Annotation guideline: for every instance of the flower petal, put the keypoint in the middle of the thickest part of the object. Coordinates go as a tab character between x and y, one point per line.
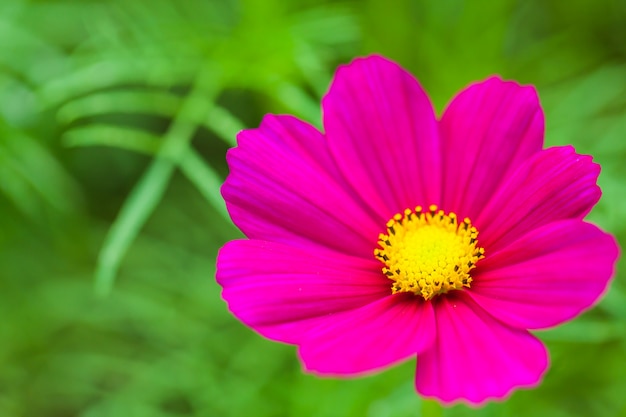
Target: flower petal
383	134
476	357
548	276
555	184
283	186
486	131
374	336
280	290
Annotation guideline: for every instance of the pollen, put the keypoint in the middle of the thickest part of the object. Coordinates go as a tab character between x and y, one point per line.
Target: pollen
429	252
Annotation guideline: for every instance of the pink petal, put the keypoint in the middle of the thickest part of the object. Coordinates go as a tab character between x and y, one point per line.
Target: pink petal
476	357
280	291
374	336
555	184
548	276
382	132
487	131
283	186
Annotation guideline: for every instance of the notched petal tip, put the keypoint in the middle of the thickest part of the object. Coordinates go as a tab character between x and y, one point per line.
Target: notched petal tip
477	358
496	81
493	120
554	184
548	276
481	401
382	132
367	59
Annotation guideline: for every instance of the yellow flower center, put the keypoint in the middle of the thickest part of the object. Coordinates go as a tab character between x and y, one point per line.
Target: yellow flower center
428	253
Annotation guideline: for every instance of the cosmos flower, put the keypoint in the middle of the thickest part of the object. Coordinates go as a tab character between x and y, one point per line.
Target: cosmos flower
394	234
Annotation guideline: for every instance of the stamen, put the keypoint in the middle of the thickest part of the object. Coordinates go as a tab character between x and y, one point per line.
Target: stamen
428	253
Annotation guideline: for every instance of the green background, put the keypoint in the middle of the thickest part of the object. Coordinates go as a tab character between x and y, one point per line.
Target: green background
114	120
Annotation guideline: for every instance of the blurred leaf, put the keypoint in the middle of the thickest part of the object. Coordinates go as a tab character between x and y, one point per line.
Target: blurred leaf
149	190
224	124
112	72
206	180
78	78
31	176
154	102
124	138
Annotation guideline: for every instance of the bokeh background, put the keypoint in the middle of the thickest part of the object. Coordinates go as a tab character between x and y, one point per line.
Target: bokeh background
114	120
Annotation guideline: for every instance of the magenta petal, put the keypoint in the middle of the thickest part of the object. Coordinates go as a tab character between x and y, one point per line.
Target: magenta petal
383	134
476	357
548	276
486	131
283	186
555	184
371	337
280	291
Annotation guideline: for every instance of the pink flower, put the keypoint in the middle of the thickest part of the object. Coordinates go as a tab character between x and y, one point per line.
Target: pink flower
341	262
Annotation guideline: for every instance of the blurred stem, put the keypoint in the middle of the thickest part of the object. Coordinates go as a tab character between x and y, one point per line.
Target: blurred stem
149	190
224	124
431	408
206	180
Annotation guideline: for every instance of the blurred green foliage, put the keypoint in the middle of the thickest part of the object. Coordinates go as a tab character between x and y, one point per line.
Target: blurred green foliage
114	120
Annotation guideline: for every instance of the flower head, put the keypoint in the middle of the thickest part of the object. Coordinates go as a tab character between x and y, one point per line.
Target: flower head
394	234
